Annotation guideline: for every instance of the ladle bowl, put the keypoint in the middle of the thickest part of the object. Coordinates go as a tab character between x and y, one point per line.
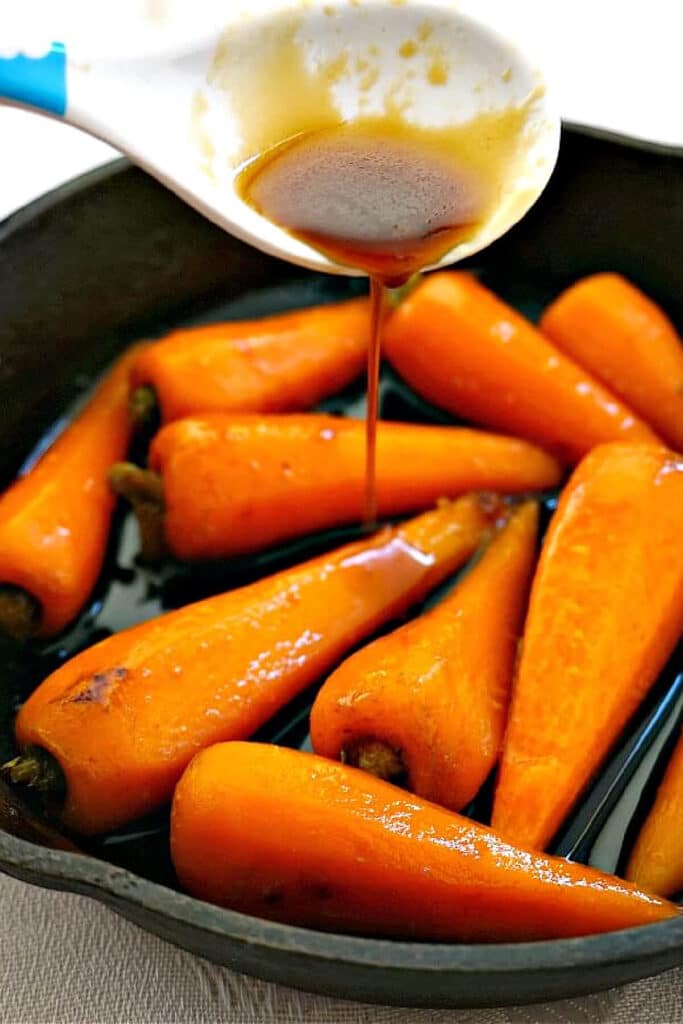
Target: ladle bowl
225	82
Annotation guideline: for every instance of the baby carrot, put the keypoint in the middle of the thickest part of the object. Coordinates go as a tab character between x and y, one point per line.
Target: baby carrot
656	862
293	837
121	720
606	610
54	521
429	701
607	325
239	484
464	349
280	363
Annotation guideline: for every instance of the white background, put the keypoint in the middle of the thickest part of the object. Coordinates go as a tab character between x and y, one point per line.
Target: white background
614	63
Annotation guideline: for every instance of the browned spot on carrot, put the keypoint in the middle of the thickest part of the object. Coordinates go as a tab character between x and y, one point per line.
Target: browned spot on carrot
98	687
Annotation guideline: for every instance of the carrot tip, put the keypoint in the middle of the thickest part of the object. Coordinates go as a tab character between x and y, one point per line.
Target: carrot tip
38	770
144	490
377	758
19	612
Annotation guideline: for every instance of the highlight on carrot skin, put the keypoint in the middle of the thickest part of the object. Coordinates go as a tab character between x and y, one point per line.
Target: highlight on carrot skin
360	856
656	861
428	703
464	349
280	363
605	613
622	337
54	520
113	728
226	485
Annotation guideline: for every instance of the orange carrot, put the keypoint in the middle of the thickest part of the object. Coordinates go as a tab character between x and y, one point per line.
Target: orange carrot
54	521
608	325
280	363
606	610
293	837
656	862
239	484
464	349
430	700
122	719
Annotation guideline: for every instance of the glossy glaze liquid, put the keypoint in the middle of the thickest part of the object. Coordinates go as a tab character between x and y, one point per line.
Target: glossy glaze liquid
378	197
377	310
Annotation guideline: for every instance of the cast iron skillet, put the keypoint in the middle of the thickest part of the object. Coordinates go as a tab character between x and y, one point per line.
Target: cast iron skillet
113	256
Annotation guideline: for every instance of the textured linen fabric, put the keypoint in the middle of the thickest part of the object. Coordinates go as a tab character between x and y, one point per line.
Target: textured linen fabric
65	959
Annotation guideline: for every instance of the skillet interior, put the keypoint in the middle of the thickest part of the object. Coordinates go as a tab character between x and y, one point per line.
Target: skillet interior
112	257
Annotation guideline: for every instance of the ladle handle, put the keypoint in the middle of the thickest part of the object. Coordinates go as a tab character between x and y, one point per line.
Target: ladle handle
37	82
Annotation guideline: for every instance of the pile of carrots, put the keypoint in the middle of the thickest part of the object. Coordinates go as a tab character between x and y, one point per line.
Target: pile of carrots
531	666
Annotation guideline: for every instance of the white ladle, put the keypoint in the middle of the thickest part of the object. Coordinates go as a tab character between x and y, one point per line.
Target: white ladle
238	77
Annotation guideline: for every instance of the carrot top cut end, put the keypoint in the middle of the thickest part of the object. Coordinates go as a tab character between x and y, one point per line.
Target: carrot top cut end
38	770
377	758
145	491
20	613
397	295
143	406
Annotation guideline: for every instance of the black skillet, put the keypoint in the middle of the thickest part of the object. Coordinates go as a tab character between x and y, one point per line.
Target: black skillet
112	257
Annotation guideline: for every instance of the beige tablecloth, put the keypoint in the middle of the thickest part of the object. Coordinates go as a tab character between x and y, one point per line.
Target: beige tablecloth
67	960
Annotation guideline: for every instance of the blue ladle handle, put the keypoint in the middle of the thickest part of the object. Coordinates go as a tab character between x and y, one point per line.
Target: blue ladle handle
38	82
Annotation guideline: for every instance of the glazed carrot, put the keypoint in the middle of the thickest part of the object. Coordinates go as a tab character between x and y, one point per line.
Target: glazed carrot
239	484
607	325
293	837
464	349
54	521
656	862
429	701
606	609
121	720
280	363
